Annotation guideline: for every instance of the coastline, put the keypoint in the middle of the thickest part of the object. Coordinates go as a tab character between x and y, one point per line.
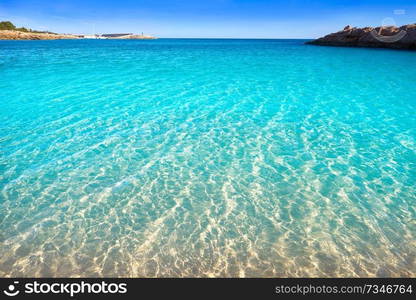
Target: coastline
134	37
403	38
18	35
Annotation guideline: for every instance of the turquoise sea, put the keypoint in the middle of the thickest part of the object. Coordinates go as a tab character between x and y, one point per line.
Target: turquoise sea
195	158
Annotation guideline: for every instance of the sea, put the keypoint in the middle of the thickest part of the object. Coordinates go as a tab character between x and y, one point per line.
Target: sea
206	158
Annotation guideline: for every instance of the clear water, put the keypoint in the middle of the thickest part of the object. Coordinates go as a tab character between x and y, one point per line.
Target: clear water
253	158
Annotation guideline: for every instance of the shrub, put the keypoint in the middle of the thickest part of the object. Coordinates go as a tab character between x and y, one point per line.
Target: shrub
7	25
23	29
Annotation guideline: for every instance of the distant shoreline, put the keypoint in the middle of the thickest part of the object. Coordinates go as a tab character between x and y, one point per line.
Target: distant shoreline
19	35
117	36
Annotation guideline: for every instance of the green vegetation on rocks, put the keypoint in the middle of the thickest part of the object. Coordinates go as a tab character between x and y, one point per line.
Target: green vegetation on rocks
7	25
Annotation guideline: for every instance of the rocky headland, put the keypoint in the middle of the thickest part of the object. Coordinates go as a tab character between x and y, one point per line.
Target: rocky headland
19	35
8	31
392	37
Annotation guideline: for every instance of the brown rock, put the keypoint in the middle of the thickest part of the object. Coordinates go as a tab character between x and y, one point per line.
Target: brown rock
18	35
381	37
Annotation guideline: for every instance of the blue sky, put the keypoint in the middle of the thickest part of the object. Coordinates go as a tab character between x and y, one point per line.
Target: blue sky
206	18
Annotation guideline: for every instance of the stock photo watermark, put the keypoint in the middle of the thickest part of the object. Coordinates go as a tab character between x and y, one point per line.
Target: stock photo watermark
70	289
388	22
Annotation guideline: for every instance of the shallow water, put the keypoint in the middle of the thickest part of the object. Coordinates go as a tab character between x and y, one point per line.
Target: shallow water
228	158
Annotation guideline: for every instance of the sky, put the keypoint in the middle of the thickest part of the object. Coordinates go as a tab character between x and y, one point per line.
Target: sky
207	18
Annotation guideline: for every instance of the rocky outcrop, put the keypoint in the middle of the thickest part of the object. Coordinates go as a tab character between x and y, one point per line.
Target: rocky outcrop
18	35
380	37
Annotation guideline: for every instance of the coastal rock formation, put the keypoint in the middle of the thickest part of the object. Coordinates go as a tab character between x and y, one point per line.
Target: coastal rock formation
19	35
380	37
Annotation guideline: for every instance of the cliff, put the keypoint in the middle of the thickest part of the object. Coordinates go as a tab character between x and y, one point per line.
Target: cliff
19	35
380	37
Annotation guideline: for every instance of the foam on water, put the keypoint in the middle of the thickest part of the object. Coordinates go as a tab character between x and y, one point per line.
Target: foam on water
206	158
